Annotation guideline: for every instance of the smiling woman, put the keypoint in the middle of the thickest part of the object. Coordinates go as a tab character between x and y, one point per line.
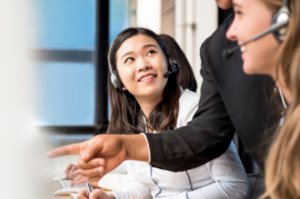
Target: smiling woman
140	59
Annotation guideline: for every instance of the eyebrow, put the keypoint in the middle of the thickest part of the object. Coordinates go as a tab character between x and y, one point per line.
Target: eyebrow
236	5
145	46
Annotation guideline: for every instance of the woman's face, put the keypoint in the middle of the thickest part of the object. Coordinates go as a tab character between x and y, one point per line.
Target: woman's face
251	18
141	65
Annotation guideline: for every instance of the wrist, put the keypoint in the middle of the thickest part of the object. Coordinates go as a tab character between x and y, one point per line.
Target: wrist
110	196
136	147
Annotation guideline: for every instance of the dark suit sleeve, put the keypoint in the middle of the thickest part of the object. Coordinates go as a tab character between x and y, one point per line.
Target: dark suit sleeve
203	139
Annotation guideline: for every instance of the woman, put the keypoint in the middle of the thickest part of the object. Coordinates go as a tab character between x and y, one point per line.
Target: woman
145	101
187	80
280	60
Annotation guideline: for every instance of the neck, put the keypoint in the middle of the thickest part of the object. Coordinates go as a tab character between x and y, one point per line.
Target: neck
147	103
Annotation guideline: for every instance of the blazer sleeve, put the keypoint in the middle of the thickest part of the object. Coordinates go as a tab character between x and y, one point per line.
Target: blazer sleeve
134	189
203	139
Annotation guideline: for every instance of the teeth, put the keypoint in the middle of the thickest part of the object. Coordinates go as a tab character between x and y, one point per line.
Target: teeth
147	77
243	49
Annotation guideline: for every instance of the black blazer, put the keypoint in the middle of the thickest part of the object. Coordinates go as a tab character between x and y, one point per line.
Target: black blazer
230	101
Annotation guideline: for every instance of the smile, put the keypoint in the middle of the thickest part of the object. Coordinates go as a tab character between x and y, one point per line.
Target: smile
146	78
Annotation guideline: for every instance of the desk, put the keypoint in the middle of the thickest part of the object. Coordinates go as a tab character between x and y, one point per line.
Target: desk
49	186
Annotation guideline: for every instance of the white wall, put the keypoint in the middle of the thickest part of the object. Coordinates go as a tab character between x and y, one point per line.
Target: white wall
195	21
148	14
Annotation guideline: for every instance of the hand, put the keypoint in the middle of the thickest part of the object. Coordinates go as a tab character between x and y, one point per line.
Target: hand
104	153
79	178
96	194
74	173
70	171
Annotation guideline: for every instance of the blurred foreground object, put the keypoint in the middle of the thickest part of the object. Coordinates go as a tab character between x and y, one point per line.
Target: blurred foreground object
19	143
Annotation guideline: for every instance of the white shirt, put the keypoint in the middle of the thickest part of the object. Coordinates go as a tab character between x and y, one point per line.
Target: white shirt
223	177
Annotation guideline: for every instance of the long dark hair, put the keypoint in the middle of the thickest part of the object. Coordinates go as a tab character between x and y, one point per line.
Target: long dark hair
186	78
125	110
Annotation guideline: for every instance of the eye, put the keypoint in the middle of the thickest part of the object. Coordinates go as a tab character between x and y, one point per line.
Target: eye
151	52
129	59
237	12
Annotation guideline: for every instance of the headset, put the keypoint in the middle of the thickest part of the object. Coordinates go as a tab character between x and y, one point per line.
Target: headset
173	63
280	21
116	81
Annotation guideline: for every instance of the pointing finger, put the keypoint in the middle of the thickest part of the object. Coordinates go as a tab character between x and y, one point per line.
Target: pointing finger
71	149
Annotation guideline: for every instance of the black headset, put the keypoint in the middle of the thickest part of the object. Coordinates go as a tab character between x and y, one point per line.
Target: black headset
116	81
280	20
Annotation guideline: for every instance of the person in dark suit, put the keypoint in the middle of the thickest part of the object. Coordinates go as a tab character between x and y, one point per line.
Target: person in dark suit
230	101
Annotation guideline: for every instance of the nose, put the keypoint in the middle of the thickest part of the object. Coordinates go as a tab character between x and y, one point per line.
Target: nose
231	33
143	65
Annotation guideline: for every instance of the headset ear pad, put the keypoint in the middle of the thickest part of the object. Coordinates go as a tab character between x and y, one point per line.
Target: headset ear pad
283	14
115	79
174	64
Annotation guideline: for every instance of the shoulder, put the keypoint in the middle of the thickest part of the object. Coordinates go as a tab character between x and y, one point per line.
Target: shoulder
188	105
188	98
217	41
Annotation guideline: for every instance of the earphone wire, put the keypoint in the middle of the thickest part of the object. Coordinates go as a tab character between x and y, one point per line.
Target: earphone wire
282	98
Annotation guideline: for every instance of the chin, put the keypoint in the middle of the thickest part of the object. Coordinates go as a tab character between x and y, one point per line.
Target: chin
248	69
224	4
151	91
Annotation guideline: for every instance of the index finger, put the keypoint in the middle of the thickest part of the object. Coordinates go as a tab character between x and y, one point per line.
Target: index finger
71	149
83	194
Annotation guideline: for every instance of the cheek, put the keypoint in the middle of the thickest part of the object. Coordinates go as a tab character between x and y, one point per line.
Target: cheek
261	56
164	65
160	65
126	77
244	29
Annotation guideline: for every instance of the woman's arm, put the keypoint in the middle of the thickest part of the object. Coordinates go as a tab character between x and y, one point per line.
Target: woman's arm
134	188
230	179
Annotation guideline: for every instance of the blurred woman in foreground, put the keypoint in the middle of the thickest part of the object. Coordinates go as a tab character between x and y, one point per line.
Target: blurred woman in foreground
279	57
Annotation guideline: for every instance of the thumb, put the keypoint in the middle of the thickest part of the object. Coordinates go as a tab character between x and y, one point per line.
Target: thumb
97	193
91	151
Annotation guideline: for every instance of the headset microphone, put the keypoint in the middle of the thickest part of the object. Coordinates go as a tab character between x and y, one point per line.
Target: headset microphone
167	74
176	66
274	28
